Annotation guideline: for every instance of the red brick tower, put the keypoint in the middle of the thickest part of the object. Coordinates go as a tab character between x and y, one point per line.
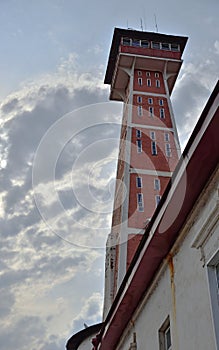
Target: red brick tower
142	70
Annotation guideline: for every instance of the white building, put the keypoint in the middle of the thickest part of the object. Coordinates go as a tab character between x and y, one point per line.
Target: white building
169	298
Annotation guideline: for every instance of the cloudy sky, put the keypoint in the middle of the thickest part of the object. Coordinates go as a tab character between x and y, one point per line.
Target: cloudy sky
59	142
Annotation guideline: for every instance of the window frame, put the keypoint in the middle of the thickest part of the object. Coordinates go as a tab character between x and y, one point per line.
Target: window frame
139	182
162	113
140	111
150	101
153	135
148	82
161	102
157	75
151	111
138	133
139	146
153	148
166	137
162	335
168	150
157	83
157	184
139	99
140	82
140	202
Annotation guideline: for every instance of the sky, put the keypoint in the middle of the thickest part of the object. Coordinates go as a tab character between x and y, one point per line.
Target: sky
59	145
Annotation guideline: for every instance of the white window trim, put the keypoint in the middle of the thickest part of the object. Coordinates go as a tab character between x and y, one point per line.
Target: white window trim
157	83
162	332
151	111
140	204
139	177
168	150
138	131
166	137
140	81
139	99
161	102
150	99
162	113
153	135
157	199
157	188
140	111
139	148
149	82
148	74
139	72
152	152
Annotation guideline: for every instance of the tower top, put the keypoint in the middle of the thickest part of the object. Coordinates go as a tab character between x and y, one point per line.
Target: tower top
144	44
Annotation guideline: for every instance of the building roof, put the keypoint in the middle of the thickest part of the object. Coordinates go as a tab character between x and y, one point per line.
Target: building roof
196	165
135	34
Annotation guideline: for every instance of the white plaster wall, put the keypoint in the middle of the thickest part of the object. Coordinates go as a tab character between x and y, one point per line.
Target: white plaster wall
187	300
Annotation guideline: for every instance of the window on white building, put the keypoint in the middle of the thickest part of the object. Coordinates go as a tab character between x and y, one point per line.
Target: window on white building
165	342
157	184
140	81
150	101
140	202
153	148
139	182
139	146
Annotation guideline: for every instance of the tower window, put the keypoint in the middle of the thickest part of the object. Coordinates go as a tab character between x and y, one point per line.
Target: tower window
136	42
157	83
165	46
162	113
156	75
148	74
140	111
166	137
140	202
148	82
155	45
157	199
153	148
161	103
138	133
139	72
175	47
140	81
126	41
157	184
139	99
153	135
139	146
150	101
151	111
138	182
168	150
145	43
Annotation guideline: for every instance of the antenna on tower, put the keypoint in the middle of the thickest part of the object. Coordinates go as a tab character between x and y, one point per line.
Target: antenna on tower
141	24
155	19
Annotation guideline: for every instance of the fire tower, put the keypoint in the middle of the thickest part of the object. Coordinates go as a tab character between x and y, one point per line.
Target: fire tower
142	70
